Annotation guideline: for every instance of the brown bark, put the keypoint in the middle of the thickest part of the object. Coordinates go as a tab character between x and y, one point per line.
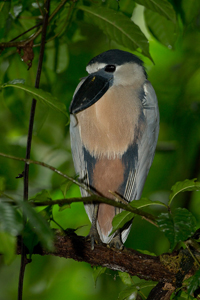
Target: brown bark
158	268
162	291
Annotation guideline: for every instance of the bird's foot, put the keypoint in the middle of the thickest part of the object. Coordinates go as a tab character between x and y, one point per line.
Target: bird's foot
93	237
116	243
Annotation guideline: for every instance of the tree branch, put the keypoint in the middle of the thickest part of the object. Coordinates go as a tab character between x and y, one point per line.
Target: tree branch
161	268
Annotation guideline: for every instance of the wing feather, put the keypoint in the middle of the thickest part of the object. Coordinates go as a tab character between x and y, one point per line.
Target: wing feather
146	148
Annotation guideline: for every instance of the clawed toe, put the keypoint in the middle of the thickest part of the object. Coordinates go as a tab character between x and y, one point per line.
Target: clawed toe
116	243
93	237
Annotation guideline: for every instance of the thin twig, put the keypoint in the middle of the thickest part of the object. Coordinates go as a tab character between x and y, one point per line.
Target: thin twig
40	8
65	25
21	44
85	199
30	161
150	221
33	27
193	256
29	141
56	10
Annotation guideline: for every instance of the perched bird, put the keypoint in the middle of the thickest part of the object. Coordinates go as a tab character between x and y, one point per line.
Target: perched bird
114	125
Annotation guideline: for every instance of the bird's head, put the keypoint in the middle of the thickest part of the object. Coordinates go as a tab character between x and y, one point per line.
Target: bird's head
106	70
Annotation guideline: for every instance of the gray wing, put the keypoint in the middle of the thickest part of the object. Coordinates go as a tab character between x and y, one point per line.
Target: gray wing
80	163
78	149
146	146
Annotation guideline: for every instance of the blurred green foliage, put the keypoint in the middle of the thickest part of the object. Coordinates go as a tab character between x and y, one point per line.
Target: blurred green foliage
73	38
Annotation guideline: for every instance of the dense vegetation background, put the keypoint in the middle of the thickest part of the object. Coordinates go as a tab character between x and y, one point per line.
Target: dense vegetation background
79	31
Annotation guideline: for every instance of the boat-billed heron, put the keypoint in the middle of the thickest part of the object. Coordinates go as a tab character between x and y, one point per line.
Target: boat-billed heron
114	125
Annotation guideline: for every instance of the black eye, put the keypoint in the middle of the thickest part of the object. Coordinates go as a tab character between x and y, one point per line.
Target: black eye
110	68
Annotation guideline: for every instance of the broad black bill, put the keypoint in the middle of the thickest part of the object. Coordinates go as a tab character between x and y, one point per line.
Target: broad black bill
93	88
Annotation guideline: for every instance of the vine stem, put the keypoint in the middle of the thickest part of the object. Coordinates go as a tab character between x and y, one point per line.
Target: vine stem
24	260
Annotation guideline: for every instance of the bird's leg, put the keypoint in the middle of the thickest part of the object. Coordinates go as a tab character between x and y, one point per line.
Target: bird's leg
93	235
116	242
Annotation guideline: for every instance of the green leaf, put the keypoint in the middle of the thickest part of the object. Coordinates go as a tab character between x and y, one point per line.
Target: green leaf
38	225
120	220
38	94
15	81
30	238
10	220
183	186
183	295
65	186
58	54
144	202
125	216
126	6
127	292
145	284
194	283
46	213
2	185
57	26
118	27
178	226
125	278
7	246
146	252
97	271
132	290
4	11
161	28
162	7
166	225
63	207
44	195
190	10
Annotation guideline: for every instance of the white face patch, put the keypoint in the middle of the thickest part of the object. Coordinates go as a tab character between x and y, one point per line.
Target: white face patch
126	74
95	67
129	74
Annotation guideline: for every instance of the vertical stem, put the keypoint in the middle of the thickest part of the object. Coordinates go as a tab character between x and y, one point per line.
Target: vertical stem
24	260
